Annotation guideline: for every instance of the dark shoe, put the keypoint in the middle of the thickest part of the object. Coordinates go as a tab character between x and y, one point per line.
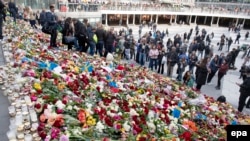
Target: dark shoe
217	88
248	106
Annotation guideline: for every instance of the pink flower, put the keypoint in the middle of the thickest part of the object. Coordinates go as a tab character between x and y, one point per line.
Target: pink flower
33	98
64	138
55	133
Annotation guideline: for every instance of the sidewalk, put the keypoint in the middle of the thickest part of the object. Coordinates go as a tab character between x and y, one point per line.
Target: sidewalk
4	103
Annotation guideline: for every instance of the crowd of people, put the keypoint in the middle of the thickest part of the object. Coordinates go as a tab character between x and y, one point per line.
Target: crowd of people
194	57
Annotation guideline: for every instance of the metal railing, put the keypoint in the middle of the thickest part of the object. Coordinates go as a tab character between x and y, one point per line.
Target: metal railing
78	7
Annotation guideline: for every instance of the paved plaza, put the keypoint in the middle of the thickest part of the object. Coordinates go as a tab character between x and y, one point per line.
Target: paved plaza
229	88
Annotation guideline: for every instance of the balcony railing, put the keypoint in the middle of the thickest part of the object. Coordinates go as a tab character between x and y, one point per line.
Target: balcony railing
76	7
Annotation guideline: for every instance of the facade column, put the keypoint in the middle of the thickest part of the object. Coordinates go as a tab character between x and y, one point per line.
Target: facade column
175	19
156	20
242	25
205	20
106	19
195	19
237	21
140	20
171	18
151	18
190	19
133	19
212	21
127	19
218	21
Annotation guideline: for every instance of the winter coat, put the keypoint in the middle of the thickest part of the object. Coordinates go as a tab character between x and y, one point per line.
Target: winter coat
201	75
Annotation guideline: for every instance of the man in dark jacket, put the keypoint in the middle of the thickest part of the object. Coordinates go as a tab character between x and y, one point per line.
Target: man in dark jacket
51	18
100	33
244	91
110	38
1	18
13	9
172	59
42	17
81	34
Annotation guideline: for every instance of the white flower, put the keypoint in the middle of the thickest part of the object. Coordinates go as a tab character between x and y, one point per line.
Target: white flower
126	126
99	127
69	107
133	112
151	115
60	105
152	102
151	126
76	108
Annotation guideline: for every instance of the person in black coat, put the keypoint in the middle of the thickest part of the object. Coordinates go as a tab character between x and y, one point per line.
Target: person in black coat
172	59
1	18
100	33
244	91
51	18
13	9
81	35
68	32
201	74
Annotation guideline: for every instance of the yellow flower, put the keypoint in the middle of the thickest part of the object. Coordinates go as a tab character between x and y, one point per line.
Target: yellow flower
37	86
166	131
60	86
91	121
76	69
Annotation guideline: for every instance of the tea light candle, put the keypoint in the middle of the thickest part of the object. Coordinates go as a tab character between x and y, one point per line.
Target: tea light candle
20	136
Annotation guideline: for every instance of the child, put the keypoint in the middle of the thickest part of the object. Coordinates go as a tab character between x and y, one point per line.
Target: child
188	79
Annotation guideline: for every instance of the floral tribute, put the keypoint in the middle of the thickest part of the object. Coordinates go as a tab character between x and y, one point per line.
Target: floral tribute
79	97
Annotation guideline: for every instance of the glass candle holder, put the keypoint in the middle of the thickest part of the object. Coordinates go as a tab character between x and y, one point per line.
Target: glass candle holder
19	118
26	117
28	137
12	111
11	135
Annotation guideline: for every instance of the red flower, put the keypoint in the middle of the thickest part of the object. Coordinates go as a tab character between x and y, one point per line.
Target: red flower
98	88
38	105
57	123
42	134
136	129
108	121
142	139
186	136
59	111
45	106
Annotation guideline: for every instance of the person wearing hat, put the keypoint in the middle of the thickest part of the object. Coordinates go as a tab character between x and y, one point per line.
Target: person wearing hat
244	91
